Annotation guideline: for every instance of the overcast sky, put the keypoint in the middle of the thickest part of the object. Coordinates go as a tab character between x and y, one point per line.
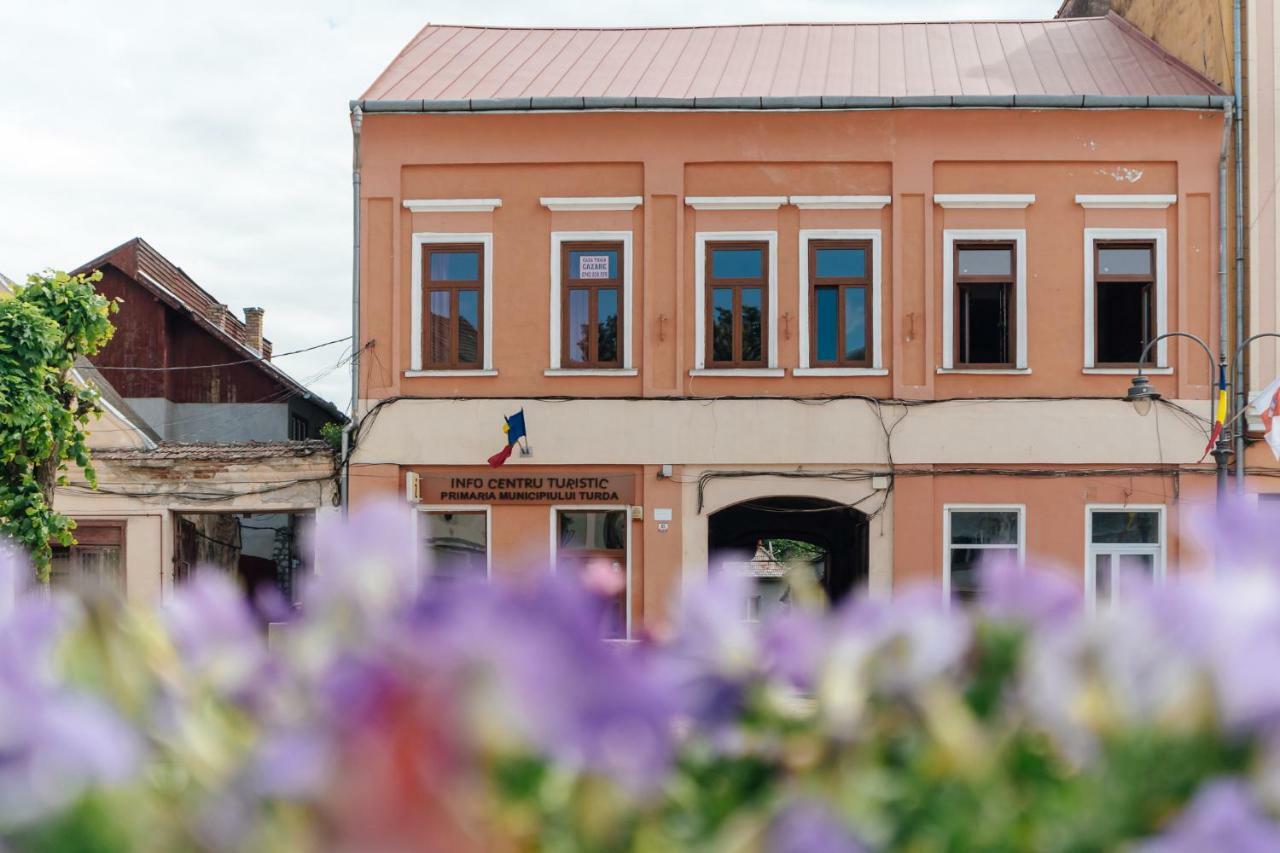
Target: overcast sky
219	131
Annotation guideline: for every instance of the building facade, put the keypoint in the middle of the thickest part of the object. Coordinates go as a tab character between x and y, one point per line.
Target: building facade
877	289
168	331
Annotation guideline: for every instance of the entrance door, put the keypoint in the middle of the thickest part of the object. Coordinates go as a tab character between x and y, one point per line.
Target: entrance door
768	537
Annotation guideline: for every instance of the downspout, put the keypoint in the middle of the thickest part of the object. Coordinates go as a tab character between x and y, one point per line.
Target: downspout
1241	385
357	117
1224	328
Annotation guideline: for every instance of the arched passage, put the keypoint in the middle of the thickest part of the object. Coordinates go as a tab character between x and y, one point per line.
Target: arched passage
736	532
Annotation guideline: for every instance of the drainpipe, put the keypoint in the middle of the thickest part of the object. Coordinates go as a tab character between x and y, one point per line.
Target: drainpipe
1241	386
357	117
1220	452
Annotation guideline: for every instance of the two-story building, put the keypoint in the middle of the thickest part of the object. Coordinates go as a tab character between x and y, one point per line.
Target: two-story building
877	289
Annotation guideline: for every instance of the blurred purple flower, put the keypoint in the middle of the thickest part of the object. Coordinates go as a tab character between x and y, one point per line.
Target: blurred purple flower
1223	817
793	644
547	673
367	563
292	764
809	827
1034	596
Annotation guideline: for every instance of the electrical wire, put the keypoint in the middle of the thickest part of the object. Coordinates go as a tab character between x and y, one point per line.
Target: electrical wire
259	359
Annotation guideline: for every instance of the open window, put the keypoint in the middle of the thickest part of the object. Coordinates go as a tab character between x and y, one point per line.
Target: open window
1124	301
985	297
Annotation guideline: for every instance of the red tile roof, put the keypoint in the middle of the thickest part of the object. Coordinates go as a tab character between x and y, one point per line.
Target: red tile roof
1080	56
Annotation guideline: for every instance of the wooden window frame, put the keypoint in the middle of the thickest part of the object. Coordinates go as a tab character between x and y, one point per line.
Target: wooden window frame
841	283
425	510
592	286
453	288
710	285
556	549
958	283
121	528
1148	282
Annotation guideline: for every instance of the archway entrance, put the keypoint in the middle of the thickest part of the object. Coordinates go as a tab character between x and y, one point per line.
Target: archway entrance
768	536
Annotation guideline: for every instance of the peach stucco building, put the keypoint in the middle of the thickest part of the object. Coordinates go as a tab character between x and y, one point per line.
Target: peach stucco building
877	288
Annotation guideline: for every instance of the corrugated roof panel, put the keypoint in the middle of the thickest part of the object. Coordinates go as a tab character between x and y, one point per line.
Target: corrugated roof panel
1077	56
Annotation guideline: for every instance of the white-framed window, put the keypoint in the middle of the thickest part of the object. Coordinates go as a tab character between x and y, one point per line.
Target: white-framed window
458	307
576	247
840	302
596	538
972	533
738	243
1122	542
984	300
455	540
1126	296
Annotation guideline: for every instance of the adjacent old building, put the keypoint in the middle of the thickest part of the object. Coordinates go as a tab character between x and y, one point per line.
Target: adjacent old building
189	367
876	289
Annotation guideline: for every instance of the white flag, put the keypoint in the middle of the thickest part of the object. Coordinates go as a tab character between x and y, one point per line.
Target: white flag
1266	405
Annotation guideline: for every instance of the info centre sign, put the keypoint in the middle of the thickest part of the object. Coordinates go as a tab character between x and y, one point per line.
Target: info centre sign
554	487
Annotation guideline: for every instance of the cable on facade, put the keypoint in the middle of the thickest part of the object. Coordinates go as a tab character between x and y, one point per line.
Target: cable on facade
274	356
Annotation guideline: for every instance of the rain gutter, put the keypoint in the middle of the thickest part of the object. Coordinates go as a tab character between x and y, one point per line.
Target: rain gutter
1241	388
824	102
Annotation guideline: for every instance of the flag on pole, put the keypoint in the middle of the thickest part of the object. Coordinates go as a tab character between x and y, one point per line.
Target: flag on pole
514	428
1266	405
1219	412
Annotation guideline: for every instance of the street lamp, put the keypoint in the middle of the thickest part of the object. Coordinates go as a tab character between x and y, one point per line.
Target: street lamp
1142	395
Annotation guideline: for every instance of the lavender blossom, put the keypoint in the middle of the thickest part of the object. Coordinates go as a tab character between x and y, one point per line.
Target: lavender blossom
1223	816
809	826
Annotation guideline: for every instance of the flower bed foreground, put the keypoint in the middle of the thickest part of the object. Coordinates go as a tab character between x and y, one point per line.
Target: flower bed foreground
491	718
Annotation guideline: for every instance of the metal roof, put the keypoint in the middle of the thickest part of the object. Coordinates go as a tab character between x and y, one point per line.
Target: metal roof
1101	61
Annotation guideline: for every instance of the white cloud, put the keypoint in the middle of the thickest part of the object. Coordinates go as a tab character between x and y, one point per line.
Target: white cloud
219	131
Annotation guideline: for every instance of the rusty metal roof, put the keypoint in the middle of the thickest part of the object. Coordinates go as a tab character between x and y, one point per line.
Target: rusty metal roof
1105	56
249	451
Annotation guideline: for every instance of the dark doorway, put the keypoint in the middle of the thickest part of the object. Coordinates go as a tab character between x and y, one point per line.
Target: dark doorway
748	532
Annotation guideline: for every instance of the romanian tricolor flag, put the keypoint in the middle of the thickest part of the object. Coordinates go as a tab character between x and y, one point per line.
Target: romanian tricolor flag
514	428
1219	412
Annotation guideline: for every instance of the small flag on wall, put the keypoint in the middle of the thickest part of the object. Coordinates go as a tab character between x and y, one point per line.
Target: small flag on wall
1267	406
514	428
1219	412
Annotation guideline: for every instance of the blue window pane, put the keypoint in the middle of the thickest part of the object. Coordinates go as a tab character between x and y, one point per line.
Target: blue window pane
826	323
579	325
455	266
855	324
752	325
441	325
591	264
737	263
607	324
722	324
841	263
468	326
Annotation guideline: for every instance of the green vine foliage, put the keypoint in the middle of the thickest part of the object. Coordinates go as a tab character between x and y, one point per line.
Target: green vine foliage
51	321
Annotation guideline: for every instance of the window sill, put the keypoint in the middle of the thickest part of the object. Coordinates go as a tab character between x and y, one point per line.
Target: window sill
981	371
417	373
839	371
1127	371
591	371
739	371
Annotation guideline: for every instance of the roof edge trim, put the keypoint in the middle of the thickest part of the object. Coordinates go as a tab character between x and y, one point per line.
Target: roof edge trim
824	102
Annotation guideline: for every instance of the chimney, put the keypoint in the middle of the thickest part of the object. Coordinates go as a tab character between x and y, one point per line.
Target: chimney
253	329
218	314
